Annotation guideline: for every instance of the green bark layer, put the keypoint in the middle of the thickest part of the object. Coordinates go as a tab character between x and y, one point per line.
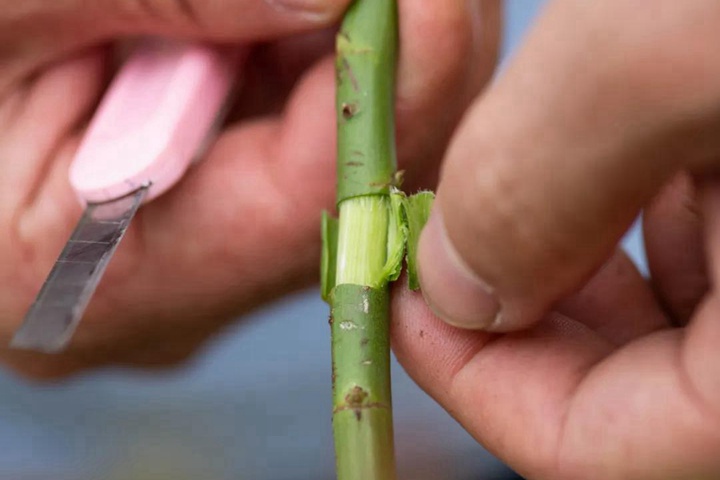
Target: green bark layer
365	65
362	416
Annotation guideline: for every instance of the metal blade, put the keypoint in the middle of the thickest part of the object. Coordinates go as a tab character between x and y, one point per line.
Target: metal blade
58	308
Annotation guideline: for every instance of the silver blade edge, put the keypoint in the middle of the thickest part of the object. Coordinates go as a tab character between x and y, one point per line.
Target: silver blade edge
59	306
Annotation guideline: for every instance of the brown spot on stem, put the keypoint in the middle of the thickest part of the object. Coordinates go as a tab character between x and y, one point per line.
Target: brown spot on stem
422	333
354	164
364	342
330	320
355	399
349	110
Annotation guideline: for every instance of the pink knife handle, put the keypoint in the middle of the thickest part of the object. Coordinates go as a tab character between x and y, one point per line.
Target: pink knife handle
153	120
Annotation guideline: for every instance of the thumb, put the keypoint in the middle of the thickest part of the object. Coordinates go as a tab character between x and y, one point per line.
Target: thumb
552	165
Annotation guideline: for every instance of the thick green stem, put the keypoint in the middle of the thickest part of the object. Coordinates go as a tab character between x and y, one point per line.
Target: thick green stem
362	414
365	75
367	235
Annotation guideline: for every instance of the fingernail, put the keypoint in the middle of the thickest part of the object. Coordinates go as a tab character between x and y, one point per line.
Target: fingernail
451	289
313	10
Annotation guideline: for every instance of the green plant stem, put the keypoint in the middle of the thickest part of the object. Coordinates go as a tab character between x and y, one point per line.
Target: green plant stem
362	414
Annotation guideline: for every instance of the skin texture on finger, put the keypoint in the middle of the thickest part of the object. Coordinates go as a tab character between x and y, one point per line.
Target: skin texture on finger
617	303
673	233
639	415
448	53
273	70
236	20
700	348
65	92
554	162
418	336
558	402
33	33
508	391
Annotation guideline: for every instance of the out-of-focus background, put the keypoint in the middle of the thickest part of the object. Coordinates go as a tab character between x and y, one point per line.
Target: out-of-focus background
254	405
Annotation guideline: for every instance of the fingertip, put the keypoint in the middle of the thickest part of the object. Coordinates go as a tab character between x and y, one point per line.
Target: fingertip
430	350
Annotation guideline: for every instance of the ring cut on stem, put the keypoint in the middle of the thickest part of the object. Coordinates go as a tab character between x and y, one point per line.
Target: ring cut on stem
389	227
362	241
362	415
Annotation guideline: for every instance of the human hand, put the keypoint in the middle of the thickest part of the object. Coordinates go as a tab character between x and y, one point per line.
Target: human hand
584	370
193	259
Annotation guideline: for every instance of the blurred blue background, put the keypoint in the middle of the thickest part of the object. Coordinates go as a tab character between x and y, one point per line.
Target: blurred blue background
254	405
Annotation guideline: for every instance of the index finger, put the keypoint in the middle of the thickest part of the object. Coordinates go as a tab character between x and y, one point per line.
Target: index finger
35	33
